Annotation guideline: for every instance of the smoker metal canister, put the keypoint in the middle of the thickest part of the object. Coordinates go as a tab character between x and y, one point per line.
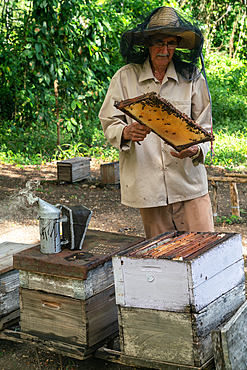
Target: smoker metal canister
49	227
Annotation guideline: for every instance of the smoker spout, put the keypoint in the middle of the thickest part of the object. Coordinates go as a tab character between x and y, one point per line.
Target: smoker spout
47	210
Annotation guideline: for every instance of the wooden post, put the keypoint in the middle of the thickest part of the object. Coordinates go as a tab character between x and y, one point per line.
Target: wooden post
234	199
215	199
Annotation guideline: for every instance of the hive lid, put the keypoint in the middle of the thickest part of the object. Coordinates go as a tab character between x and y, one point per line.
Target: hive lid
98	248
173	126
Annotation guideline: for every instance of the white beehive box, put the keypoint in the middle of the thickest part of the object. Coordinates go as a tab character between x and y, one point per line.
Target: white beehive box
178	284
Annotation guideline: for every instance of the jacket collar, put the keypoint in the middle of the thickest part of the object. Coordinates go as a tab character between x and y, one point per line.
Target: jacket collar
146	72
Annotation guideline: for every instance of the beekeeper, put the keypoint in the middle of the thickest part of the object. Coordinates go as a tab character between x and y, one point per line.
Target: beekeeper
170	188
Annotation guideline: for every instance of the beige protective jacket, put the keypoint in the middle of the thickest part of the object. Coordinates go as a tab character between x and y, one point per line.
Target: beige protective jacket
149	175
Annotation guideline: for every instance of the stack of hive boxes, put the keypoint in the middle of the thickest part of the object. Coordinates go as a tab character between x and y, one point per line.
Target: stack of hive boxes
67	299
172	290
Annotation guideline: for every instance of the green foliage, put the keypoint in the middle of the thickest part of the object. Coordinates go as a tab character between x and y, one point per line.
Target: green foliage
228	86
57	59
230	220
224	24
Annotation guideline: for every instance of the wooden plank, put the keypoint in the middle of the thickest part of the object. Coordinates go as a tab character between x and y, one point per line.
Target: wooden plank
217	350
102	317
161	365
7	250
12	335
9	319
230	342
9	292
234	199
236	174
53	317
211	263
81	173
57	346
212	288
118	280
98	280
227	179
217	312
117	357
74	160
215	199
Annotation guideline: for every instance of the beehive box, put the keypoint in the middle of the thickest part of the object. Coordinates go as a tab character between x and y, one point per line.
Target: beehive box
9	283
173	290
73	169
68	298
110	173
179	283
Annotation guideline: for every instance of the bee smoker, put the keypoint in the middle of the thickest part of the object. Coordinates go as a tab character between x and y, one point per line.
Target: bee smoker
74	220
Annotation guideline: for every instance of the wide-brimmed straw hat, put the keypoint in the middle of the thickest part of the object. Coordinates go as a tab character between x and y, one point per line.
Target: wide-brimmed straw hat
166	21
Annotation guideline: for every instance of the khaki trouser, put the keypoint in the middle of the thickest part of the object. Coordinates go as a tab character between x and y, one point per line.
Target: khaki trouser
190	215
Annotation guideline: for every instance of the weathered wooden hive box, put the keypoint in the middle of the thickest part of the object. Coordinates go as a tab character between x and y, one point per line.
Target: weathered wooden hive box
109	173
68	299
73	169
174	289
9	283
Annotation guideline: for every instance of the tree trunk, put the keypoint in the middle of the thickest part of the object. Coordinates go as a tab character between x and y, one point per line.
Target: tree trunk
57	113
231	42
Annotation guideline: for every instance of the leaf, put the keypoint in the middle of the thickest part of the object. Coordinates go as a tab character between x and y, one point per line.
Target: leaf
29	53
73	121
80	97
47	79
106	57
73	104
60	73
38	48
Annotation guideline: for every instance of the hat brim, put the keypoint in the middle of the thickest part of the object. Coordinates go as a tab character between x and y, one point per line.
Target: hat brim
189	39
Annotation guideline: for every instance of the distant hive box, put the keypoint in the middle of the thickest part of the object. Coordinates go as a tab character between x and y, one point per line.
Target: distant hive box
172	290
68	298
110	173
73	169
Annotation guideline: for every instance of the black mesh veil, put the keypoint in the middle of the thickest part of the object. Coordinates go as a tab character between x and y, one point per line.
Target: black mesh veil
135	42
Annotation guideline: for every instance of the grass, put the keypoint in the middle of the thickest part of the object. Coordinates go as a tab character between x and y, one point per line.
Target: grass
230	151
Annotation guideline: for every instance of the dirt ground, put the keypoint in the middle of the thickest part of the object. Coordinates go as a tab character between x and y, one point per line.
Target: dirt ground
18	223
